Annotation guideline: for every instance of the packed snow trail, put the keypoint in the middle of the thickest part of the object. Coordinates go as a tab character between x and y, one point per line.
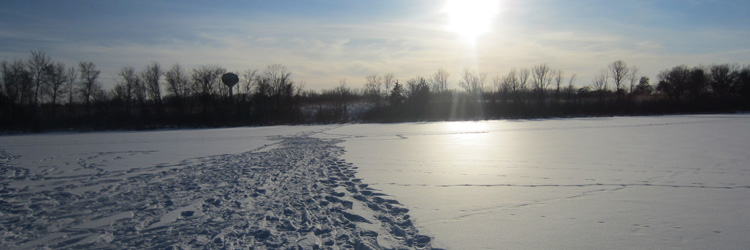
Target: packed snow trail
294	194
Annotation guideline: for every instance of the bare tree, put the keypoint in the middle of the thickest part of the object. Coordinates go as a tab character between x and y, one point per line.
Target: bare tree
100	95
720	79
440	80
206	83
57	78
280	79
38	66
501	90
139	91
129	83
89	83
633	77
373	88
262	86
120	94
70	85
206	79
177	81
515	83
558	78
388	81
618	70
601	80
18	82
600	83
570	90
249	79
282	90
300	88
542	79
473	83
510	81
342	97
151	76
523	79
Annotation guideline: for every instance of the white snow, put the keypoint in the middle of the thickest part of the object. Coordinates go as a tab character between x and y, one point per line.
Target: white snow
669	182
273	187
675	182
127	150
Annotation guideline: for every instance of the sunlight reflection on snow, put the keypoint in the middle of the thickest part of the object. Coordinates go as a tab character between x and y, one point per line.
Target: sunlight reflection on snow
565	183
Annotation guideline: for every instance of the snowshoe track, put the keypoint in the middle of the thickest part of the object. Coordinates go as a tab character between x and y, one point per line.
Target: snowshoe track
298	195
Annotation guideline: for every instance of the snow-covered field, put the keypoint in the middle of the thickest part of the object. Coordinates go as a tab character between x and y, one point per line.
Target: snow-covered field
674	182
274	187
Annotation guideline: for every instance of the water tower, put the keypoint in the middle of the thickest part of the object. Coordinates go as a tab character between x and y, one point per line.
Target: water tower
230	79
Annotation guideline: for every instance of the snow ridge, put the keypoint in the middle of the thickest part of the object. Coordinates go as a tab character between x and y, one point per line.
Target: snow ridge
295	195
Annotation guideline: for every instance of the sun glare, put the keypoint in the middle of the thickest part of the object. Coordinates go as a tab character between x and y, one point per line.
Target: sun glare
471	18
467	127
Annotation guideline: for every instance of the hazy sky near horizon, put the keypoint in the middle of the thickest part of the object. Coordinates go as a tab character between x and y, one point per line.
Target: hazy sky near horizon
322	42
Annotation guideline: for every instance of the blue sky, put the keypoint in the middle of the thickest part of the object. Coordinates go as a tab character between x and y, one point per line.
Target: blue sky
322	42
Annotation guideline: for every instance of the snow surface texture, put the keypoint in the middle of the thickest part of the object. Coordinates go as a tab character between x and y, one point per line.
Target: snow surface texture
674	182
294	192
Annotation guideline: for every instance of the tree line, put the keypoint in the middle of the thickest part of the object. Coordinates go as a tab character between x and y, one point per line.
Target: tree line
40	94
540	91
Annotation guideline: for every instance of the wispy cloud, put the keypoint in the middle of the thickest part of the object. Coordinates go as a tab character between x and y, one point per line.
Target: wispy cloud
328	41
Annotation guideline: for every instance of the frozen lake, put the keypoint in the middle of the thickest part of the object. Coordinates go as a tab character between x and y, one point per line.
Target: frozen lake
673	182
676	182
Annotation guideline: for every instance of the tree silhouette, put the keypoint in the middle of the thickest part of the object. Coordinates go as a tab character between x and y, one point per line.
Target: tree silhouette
128	85
32	90
440	80
151	76
541	79
719	79
373	89
18	82
205	84
600	83
473	83
697	83
619	71
643	88
419	97
343	93
512	85
388	82
177	81
633	78
570	90
70	86
57	77
397	95
672	82
38	64
742	83
558	78
89	84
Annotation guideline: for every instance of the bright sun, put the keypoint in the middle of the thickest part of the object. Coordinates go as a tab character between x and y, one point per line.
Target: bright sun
471	18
